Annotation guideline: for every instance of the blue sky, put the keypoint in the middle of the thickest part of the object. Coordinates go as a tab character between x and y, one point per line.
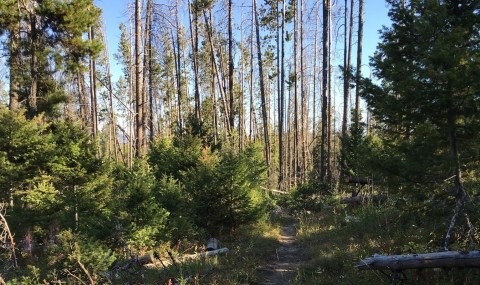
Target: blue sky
114	12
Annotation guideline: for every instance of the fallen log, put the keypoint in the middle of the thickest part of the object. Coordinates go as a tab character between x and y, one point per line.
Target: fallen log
447	259
149	259
212	244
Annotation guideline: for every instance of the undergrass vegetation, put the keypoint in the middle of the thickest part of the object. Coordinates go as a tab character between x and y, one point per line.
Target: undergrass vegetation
249	248
339	236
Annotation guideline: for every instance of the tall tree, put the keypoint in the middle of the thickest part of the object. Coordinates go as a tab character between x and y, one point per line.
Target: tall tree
359	64
193	13
281	107
209	28
38	32
303	95
139	97
93	88
347	55
428	105
325	79
178	66
148	70
294	77
262	90
230	65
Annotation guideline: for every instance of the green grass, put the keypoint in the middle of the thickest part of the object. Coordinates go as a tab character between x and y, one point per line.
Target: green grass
336	239
250	247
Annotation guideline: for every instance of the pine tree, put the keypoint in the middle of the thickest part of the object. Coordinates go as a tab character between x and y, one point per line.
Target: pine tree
427	102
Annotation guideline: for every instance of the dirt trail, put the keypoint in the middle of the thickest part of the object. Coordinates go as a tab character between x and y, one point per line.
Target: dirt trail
282	269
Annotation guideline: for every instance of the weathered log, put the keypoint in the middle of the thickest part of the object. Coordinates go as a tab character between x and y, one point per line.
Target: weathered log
446	259
150	259
359	180
212	244
210	253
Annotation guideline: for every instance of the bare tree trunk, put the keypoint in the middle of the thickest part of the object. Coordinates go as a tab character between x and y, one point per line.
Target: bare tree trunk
346	69
32	97
230	66
330	124
93	89
6	237
281	109
241	98
14	65
315	47
457	180
252	108
325	63
113	120
347	54
82	99
215	69
359	65
279	112
194	42
139	104
295	92
178	68
262	92
148	73
303	98
214	103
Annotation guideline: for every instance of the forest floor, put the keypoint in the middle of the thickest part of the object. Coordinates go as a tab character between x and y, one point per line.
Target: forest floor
282	267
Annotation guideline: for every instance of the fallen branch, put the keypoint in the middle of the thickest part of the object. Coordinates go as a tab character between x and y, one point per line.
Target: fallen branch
150	259
447	259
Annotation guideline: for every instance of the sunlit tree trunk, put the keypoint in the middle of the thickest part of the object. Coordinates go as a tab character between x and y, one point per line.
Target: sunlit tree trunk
303	97
230	66
315	47
14	65
32	97
148	73
262	92
194	42
93	90
330	123
216	71
359	65
252	108
281	107
139	104
325	75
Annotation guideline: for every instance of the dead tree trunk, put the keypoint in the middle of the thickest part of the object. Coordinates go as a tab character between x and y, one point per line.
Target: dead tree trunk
139	104
93	88
359	66
325	66
194	42
230	66
447	259
215	69
262	92
14	65
6	238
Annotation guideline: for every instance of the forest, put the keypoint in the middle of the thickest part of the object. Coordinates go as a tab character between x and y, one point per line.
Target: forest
242	143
